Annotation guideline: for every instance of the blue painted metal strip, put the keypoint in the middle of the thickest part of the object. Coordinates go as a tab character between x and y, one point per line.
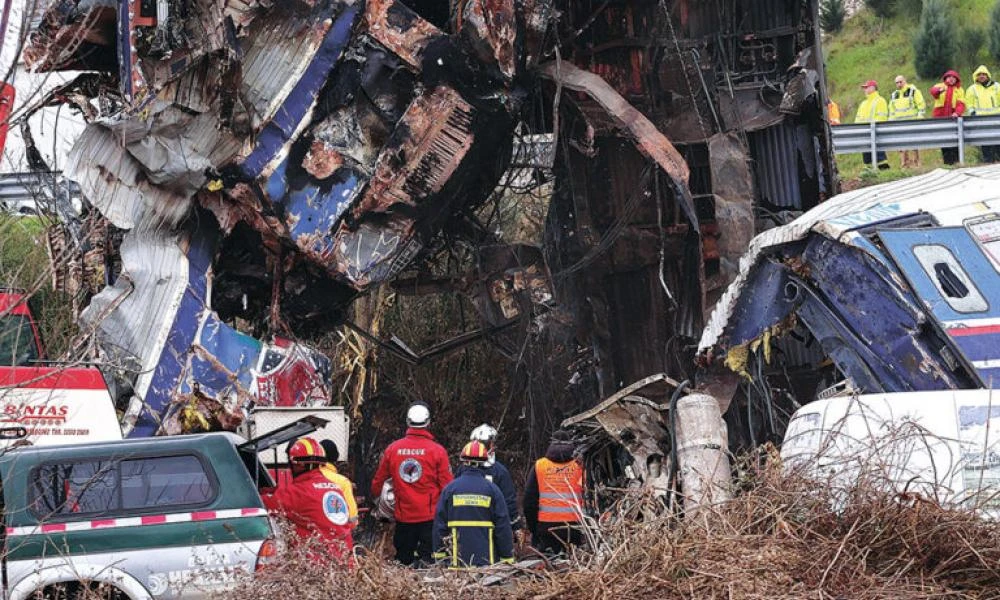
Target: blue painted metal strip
295	108
124	50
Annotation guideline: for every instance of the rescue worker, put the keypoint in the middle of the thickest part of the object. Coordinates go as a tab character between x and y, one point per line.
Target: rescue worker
498	473
418	467
873	109
473	511
553	497
949	102
983	98
329	470
907	103
312	503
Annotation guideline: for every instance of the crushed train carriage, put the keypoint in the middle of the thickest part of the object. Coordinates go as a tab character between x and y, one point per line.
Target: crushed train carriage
866	335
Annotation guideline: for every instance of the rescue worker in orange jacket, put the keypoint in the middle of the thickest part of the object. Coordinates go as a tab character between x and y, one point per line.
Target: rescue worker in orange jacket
949	102
419	469
553	497
329	470
473	511
314	505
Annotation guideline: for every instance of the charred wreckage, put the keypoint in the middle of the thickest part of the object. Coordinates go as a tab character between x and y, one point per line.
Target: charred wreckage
255	167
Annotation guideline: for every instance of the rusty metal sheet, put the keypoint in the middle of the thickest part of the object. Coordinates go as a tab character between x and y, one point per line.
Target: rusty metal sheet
491	26
648	138
431	140
400	29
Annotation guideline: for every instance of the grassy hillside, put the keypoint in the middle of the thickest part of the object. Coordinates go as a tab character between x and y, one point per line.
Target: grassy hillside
872	48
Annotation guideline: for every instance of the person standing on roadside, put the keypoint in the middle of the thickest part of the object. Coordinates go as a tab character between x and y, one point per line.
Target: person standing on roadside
873	109
419	469
983	98
907	103
949	103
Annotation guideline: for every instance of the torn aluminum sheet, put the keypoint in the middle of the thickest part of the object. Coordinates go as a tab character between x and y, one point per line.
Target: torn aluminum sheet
156	325
629	420
896	284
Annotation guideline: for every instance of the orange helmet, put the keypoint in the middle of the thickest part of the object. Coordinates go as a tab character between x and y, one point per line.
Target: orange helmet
306	450
475	452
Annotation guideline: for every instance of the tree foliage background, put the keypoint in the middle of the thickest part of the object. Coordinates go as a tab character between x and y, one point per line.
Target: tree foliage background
831	15
935	44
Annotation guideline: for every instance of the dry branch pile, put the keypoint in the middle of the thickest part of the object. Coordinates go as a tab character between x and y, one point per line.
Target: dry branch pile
780	538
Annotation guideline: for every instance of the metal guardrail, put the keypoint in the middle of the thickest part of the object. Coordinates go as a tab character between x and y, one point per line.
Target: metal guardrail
23	192
916	134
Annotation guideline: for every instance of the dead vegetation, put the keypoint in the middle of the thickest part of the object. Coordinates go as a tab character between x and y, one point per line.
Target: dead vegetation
782	537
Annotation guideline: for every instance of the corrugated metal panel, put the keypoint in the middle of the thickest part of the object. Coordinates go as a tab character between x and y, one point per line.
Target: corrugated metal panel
775	154
113	182
284	48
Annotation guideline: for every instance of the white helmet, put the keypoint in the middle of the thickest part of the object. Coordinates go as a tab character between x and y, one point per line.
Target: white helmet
487	435
484	433
418	415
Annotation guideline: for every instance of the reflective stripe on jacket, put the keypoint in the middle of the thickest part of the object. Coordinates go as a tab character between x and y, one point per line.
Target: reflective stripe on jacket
872	108
907	103
560	491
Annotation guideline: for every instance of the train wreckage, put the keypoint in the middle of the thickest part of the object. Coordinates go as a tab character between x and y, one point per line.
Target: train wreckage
255	167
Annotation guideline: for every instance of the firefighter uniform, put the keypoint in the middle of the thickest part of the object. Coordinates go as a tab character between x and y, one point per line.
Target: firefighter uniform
316	507
473	511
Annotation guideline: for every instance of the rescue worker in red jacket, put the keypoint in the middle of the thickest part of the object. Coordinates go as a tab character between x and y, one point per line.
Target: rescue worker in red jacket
553	497
314	505
473	510
419	469
949	102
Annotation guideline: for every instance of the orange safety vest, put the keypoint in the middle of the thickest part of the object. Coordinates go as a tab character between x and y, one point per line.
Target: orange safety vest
560	491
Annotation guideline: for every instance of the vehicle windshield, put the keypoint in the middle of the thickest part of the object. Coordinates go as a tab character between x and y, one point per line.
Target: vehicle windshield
17	341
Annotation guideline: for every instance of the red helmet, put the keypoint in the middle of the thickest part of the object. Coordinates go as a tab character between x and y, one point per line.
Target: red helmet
475	451
306	450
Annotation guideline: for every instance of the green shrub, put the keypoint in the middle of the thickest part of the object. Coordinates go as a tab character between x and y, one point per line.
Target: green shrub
934	45
831	15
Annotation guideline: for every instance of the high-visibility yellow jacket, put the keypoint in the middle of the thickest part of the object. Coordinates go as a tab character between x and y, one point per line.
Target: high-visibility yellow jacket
872	108
907	103
983	99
